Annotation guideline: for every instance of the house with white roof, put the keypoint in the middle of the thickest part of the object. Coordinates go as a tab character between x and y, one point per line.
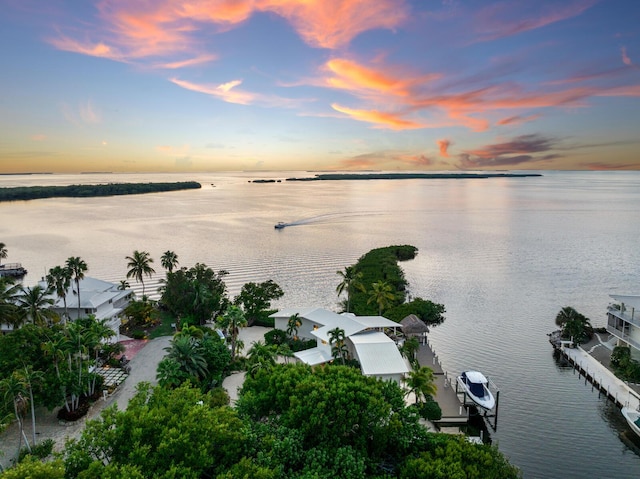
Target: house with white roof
376	352
101	299
623	321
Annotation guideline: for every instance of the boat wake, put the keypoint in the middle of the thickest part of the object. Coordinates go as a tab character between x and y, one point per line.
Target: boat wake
329	218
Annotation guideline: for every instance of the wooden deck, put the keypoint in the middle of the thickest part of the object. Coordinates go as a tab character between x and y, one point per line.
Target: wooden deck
453	411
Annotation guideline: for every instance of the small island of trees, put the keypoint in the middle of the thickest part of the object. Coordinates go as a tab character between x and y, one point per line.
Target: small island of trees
85	191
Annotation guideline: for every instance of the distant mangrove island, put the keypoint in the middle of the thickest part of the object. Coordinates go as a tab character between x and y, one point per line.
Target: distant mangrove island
85	191
401	176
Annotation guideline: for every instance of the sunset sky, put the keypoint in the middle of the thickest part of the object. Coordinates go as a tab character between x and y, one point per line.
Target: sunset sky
197	85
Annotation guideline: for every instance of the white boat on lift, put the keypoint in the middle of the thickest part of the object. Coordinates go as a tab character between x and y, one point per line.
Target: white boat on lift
633	419
476	386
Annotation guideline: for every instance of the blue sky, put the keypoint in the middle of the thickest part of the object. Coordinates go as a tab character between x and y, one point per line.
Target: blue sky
158	85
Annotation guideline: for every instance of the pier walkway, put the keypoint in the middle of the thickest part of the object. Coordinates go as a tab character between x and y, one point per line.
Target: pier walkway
453	412
601	377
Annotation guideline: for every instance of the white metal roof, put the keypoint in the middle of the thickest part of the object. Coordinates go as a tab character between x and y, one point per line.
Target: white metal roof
376	322
313	356
630	301
378	354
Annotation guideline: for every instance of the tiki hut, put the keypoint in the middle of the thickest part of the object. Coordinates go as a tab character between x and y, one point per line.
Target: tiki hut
414	326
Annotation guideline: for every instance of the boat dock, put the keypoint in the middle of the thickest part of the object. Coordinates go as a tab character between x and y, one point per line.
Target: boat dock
13	270
601	377
455	410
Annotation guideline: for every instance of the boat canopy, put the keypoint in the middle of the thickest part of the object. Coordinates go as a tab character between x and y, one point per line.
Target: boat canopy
475	381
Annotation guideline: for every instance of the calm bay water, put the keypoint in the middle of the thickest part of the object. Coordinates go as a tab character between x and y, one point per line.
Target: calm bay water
503	255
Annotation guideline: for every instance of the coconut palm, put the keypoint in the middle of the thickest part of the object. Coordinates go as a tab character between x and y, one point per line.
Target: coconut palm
139	266
59	281
351	280
420	381
34	305
3	252
232	320
338	347
124	284
382	294
169	260
77	268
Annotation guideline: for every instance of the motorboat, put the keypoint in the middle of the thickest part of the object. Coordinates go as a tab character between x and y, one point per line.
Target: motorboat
476	386
279	225
633	418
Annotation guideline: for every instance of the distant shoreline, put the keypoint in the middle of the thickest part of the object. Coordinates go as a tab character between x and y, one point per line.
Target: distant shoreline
23	193
402	176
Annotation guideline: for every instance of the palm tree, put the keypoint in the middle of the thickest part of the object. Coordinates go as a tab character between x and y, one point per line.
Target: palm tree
574	325
59	281
140	265
293	324
339	348
29	378
35	304
9	292
410	348
124	284
186	351
261	357
77	268
351	279
3	252
382	294
232	320
169	260
421	382
13	389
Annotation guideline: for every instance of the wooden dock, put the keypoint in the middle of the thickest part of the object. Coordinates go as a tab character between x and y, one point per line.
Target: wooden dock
601	377
453	410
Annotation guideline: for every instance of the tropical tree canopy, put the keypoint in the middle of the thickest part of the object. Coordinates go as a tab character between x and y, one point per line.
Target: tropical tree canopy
197	294
255	299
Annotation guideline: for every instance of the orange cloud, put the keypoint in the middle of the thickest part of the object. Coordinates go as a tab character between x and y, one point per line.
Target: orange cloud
378	118
334	23
444	145
225	91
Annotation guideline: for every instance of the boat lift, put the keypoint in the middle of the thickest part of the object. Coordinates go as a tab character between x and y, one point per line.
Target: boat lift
490	416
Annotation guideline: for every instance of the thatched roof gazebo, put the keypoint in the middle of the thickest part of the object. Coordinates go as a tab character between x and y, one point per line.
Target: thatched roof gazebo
413	326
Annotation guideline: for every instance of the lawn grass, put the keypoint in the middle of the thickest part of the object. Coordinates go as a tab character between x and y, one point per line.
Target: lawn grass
165	327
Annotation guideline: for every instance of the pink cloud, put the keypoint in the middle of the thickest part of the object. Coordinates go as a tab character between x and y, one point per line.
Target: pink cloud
334	23
625	58
225	91
517	119
443	146
505	19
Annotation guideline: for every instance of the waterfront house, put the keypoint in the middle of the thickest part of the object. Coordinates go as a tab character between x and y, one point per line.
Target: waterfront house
101	299
365	340
623	321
